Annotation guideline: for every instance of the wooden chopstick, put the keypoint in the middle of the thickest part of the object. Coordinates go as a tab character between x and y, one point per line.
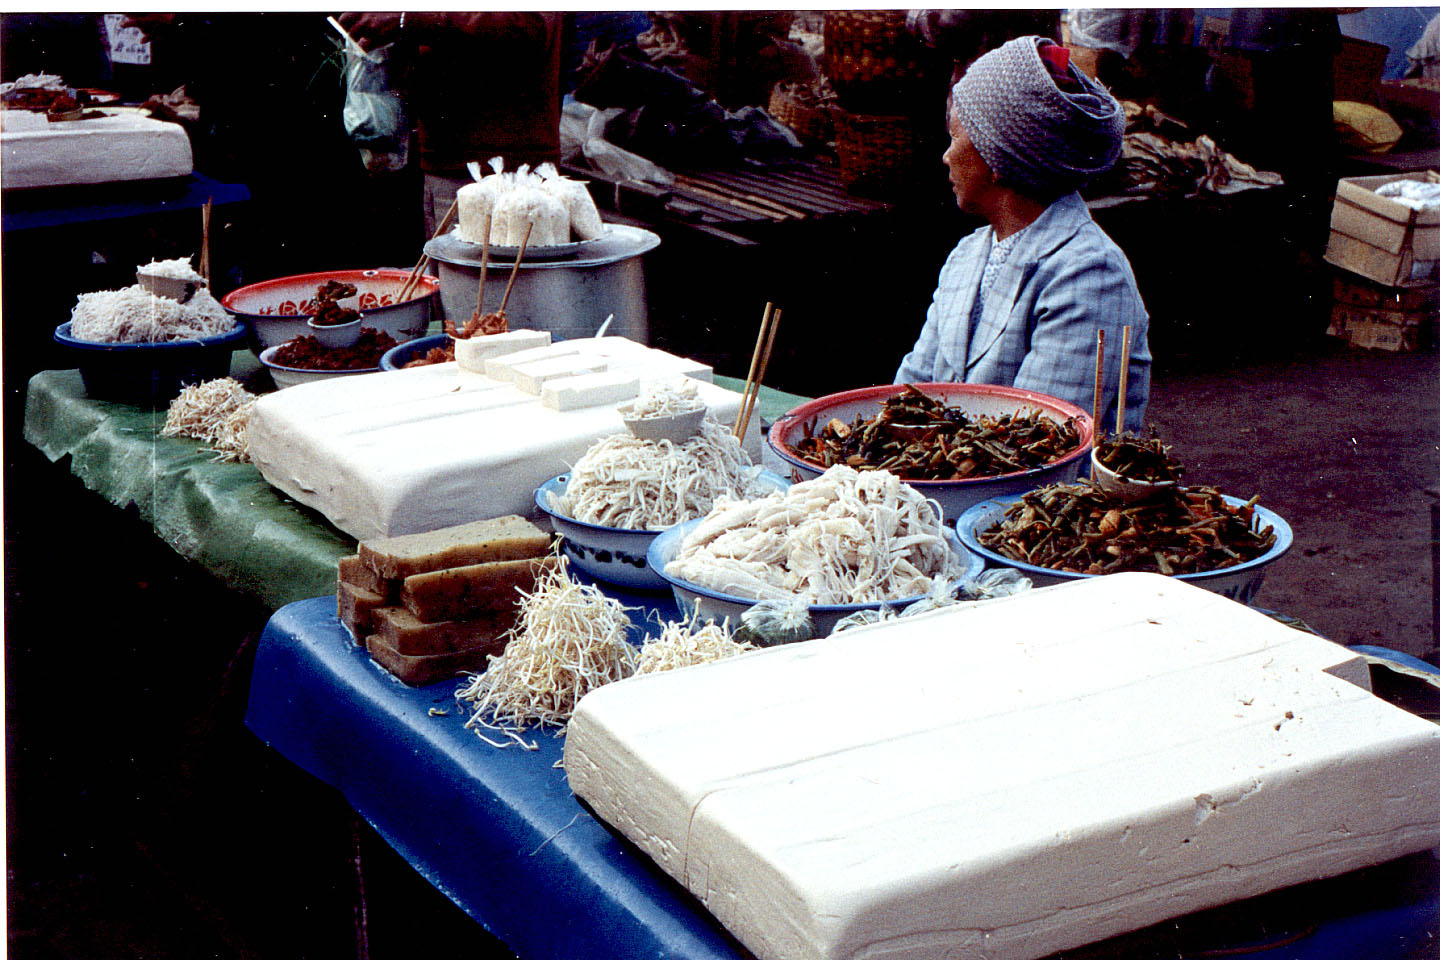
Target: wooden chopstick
760	373
205	239
1095	403
754	365
1124	380
515	270
413	281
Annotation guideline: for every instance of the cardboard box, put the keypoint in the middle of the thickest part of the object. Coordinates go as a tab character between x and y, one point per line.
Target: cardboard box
1379	238
1399	319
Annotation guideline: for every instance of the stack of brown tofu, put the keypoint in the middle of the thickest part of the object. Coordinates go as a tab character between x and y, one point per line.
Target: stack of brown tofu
428	606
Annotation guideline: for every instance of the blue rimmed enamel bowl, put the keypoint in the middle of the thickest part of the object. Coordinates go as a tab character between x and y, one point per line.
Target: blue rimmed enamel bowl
612	554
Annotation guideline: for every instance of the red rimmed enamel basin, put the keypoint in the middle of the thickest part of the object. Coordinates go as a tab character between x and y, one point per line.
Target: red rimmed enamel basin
975	399
277	309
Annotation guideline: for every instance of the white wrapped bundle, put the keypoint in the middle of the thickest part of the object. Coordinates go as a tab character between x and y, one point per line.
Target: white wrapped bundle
522	206
584	218
475	203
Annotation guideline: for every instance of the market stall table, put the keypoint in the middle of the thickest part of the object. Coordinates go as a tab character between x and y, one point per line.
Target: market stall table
499	832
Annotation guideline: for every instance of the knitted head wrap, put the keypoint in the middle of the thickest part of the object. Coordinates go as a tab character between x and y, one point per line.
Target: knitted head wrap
1033	135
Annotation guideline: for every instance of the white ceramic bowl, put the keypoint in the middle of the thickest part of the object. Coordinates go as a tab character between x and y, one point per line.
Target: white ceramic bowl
1123	489
335	336
722	606
1240	582
677	428
612	554
278	309
293	376
975	399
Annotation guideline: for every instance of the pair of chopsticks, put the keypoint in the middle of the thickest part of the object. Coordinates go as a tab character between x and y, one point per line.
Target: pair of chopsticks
413	281
1100	377
764	343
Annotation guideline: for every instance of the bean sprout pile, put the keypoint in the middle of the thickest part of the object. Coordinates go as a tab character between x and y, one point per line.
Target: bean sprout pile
684	644
568	640
216	412
633	484
844	537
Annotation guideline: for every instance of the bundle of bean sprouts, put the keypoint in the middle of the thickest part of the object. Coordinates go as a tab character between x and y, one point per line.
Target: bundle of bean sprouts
216	412
568	640
844	537
684	644
623	481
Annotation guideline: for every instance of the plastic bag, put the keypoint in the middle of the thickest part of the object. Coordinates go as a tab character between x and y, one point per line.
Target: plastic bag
374	113
582	134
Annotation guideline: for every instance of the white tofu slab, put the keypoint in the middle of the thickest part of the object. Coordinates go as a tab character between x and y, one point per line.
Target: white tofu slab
37	153
587	390
502	367
472	352
1007	779
412	450
530	377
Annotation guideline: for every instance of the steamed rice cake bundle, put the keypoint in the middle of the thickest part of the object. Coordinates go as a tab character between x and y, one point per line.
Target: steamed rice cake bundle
506	204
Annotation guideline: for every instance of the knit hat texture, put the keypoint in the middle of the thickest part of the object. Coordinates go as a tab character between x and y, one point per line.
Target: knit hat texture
1033	135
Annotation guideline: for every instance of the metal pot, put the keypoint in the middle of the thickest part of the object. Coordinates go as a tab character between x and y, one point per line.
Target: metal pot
569	296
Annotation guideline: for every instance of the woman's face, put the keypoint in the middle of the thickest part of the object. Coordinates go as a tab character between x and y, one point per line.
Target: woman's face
970	176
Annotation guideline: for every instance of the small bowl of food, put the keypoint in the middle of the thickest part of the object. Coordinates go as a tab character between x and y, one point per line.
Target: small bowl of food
1195	534
954	443
334	336
277	310
305	359
664	412
1133	470
173	279
439	348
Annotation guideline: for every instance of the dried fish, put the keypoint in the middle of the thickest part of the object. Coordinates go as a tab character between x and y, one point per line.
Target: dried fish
1179	530
917	437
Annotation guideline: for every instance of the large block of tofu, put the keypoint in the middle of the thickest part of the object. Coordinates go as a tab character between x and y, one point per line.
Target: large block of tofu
414	450
1007	779
37	153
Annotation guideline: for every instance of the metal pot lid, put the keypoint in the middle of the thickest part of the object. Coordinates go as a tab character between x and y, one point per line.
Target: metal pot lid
620	242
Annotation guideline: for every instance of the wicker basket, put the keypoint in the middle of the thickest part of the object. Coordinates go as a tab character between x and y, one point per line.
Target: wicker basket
876	153
811	121
873	62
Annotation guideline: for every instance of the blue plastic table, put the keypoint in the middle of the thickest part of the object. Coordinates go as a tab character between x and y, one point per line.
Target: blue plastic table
498	831
87	203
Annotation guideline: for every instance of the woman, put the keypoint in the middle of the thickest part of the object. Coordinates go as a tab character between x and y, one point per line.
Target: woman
1019	301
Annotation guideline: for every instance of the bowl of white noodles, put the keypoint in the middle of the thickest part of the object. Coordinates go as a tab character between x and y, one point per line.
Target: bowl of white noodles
824	549
627	488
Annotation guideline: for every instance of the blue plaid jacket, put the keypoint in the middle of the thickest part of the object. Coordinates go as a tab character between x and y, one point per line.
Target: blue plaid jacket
1064	280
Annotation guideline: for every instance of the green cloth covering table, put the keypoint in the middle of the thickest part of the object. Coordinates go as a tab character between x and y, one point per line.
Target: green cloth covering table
223	516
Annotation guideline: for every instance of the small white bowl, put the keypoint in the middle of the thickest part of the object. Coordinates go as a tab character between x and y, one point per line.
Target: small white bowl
724	606
171	288
612	554
676	428
335	336
1121	488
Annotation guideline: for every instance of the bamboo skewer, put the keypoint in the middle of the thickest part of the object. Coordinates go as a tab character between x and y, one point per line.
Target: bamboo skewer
413	281
1099	392
1124	380
205	239
515	271
484	269
754	365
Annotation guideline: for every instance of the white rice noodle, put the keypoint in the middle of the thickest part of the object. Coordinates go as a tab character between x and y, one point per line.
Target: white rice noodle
623	481
844	537
664	400
176	269
134	315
